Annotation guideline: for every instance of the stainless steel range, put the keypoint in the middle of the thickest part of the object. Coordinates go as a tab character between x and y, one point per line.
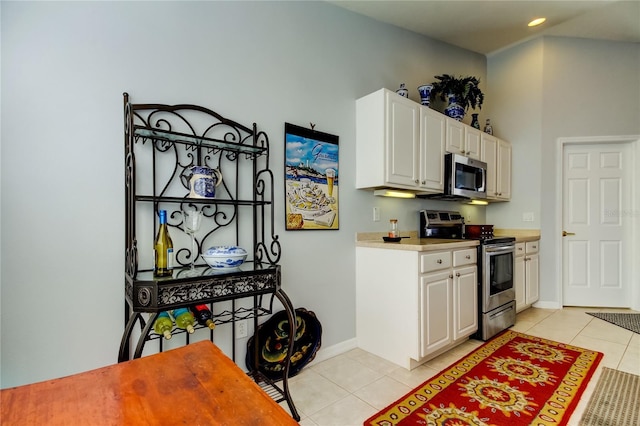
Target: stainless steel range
496	262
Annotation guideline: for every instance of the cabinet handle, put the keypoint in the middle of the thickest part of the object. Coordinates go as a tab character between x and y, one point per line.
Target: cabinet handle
424	181
416	181
457	274
450	276
462	152
439	261
468	257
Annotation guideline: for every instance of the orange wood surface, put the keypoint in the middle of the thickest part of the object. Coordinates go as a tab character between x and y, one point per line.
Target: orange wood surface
195	384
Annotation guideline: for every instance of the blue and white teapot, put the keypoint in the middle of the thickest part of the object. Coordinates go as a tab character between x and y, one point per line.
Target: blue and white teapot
203	182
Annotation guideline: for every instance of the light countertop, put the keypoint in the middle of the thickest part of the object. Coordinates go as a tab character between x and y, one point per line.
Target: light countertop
521	235
413	243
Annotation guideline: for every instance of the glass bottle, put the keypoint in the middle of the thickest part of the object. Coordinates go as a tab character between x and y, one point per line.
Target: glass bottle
393	228
184	319
163	249
203	315
163	325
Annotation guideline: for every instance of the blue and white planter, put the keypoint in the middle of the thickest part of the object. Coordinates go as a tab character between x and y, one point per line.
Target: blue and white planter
425	93
454	110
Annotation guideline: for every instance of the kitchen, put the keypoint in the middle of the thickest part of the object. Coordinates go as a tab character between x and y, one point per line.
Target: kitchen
60	81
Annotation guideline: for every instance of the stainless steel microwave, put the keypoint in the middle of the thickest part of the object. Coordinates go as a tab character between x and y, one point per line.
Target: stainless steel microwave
464	177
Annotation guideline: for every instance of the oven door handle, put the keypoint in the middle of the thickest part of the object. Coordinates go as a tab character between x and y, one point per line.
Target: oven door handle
500	249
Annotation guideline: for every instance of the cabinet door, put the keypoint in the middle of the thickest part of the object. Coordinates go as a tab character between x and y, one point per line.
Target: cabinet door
402	141
519	283
465	297
436	303
455	136
503	177
532	266
472	142
432	143
489	154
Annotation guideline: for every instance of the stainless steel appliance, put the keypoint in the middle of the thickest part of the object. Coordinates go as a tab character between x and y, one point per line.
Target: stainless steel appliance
464	178
496	263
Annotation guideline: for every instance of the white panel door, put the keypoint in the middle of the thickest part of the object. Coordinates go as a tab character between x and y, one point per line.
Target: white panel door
503	177
472	142
465	301
432	142
489	154
455	136
596	220
436	304
403	141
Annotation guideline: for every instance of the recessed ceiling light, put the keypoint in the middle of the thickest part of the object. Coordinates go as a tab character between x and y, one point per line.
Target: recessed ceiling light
536	22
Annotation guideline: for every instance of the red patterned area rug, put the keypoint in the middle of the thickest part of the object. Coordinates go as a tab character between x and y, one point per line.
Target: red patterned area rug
513	379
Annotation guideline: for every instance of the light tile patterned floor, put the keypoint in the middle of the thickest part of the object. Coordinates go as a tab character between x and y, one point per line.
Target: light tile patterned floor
349	388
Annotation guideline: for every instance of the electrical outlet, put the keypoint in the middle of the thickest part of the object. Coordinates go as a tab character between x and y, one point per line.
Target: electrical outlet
376	214
527	217
241	329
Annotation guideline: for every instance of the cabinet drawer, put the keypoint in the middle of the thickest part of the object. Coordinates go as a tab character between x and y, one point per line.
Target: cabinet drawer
464	257
532	247
520	249
435	261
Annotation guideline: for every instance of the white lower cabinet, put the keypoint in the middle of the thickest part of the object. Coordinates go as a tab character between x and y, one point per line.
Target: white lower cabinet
418	305
527	270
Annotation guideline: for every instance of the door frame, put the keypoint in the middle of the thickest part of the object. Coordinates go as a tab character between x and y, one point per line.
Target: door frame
634	270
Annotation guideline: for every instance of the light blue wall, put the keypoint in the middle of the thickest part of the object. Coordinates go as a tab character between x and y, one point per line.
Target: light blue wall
550	88
65	66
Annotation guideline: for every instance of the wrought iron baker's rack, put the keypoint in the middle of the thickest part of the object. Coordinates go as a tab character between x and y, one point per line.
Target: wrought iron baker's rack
162	143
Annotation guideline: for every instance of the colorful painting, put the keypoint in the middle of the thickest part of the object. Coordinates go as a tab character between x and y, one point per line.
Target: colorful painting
311	179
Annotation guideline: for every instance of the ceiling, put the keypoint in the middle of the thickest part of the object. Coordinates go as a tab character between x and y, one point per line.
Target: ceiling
489	26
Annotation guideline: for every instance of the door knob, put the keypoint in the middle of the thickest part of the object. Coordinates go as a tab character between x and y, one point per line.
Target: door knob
565	233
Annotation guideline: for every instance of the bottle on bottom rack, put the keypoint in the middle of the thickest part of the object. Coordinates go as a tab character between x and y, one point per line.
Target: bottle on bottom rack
203	315
163	325
184	319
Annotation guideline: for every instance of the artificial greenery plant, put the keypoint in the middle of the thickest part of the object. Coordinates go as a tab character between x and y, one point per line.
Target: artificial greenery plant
464	88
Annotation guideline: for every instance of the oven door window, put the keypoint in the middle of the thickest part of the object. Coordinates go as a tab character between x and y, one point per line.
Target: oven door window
501	268
468	177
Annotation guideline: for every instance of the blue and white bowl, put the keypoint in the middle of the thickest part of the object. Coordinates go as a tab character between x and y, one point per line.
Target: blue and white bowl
224	256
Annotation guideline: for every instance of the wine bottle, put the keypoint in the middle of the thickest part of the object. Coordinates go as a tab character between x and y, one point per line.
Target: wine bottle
203	315
163	325
184	319
163	249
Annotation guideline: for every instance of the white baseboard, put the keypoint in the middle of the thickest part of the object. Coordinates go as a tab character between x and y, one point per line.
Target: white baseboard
547	305
324	353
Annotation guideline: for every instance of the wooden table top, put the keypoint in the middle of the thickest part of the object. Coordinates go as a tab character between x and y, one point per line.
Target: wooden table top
196	384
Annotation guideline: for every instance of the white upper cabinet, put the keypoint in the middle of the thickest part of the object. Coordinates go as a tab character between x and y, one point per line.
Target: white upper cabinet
403	141
497	154
432	142
399	144
463	139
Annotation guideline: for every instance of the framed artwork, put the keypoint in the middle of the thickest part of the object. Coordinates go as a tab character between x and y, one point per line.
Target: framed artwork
311	179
